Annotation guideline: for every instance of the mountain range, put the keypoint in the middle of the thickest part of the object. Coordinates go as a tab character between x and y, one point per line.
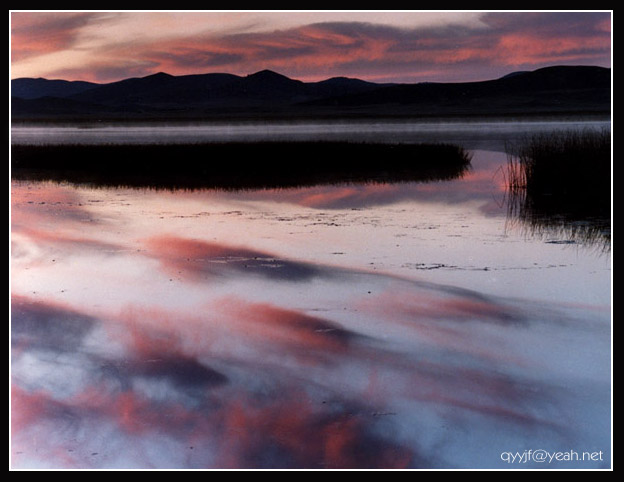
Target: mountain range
550	90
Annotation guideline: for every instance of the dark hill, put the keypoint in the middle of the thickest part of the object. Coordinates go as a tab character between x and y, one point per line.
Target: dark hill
198	90
339	86
562	77
28	88
551	90
548	90
128	91
513	74
550	79
158	89
269	80
266	85
55	107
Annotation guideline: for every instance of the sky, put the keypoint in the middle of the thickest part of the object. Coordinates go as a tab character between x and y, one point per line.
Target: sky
380	46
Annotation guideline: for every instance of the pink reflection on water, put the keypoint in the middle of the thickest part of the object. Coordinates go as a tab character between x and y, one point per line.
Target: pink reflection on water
200	260
33	204
256	359
271	399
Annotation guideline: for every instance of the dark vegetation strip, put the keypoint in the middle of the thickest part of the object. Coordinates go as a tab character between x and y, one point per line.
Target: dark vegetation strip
241	165
563	180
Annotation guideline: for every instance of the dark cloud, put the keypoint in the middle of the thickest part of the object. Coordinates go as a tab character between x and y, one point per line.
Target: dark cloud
197	58
554	24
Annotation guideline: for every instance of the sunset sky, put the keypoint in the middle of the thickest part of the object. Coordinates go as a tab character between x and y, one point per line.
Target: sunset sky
382	46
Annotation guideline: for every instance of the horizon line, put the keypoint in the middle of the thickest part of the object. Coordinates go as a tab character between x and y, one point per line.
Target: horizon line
306	82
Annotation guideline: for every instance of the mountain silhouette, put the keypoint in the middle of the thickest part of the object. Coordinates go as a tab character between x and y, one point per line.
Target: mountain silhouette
267	82
27	88
550	90
549	81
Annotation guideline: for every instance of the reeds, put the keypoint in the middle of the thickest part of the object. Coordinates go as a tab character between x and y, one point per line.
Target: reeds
239	165
575	162
561	182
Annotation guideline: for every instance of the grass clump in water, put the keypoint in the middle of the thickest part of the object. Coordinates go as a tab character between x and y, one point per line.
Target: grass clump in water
562	180
238	165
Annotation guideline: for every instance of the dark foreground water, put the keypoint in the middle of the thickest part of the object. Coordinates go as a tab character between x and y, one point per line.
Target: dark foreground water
374	325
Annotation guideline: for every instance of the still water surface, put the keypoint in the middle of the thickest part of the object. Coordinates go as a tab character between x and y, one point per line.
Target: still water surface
355	326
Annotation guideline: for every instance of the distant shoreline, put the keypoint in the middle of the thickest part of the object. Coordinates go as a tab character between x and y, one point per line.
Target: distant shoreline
244	118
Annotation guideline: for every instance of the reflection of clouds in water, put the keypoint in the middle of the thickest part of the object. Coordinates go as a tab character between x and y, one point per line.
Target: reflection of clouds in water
36	203
476	184
249	384
477	187
274	423
344	368
68	243
199	259
49	325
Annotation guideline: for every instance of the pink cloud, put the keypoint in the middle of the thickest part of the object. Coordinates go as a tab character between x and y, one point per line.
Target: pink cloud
320	50
38	33
520	48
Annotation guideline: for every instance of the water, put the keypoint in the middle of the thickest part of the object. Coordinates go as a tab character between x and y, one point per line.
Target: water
361	325
473	134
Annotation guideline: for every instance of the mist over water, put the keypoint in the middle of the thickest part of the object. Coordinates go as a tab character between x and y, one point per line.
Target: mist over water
357	325
477	134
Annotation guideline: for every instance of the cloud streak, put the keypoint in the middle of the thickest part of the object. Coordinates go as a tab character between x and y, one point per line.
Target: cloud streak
36	35
489	45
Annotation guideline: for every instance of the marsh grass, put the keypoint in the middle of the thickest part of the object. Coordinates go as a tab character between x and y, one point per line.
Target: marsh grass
240	165
559	184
